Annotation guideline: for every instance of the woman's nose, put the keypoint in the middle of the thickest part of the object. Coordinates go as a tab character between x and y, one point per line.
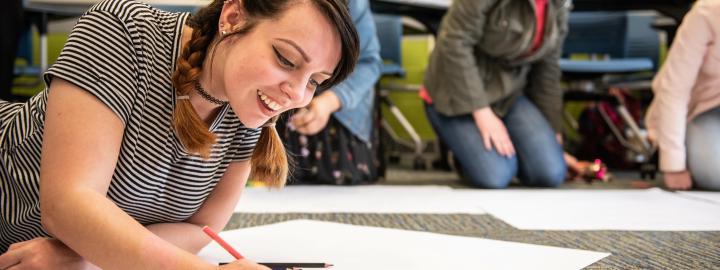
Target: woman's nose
295	94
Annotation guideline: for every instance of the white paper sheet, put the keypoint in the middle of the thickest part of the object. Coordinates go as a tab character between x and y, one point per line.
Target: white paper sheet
355	199
708	196
642	210
351	247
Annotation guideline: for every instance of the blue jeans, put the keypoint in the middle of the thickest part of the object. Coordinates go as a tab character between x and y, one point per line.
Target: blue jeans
538	161
703	147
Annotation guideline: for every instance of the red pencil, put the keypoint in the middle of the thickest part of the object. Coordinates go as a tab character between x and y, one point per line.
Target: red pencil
222	243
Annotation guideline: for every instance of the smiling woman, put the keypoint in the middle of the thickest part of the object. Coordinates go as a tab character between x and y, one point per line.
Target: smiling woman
150	125
285	77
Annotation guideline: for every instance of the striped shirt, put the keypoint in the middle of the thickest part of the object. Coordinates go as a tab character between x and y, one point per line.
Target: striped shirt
122	52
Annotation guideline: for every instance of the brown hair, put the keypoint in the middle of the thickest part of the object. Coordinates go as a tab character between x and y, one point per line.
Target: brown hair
269	159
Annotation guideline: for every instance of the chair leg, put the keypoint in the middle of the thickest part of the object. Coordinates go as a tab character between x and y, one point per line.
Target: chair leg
443	162
638	143
419	146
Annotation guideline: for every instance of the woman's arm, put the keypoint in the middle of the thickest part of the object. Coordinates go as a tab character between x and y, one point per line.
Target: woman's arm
544	89
545	74
360	84
453	68
81	144
672	86
215	211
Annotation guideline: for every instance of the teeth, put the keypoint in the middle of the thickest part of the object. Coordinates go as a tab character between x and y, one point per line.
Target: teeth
274	105
271	104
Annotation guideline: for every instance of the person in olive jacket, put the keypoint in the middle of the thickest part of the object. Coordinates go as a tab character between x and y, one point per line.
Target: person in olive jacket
492	90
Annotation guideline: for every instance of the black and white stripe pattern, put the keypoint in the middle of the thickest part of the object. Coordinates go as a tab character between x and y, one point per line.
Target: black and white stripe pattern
123	52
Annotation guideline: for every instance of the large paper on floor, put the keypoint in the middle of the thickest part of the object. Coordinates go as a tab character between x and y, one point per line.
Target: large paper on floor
355	199
351	247
708	196
644	210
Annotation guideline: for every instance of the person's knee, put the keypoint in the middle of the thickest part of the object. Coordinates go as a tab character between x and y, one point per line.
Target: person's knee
703	162
706	177
546	176
489	183
489	179
708	184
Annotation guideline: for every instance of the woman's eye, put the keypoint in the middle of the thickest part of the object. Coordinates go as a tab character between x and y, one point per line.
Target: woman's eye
313	83
284	61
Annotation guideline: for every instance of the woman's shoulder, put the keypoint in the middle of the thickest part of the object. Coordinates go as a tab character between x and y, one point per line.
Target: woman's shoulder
704	12
121	8
712	6
129	10
134	20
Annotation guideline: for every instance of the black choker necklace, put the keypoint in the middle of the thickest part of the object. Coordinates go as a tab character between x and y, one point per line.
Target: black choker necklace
207	96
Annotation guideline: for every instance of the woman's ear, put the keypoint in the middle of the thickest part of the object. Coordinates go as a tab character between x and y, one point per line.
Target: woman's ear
232	16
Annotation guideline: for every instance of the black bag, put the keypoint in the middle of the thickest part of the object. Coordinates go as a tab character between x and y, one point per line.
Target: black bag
334	156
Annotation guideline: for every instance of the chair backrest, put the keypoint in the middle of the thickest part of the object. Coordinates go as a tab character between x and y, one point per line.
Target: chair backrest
620	34
389	32
643	40
595	32
25	46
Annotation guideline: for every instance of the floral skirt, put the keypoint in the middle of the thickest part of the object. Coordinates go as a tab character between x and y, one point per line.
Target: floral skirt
334	156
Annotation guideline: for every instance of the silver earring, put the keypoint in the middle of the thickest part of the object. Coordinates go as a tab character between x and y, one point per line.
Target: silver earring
223	32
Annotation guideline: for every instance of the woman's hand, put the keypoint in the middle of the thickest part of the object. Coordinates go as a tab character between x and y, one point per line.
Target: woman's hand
677	180
493	132
244	265
43	253
310	120
313	118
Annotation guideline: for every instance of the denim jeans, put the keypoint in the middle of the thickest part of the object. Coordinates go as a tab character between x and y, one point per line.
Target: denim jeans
538	161
703	146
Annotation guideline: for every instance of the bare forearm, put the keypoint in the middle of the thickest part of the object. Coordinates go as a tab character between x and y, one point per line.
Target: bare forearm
103	234
186	236
215	212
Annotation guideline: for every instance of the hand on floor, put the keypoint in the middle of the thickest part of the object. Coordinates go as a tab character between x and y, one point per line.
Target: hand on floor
585	170
678	180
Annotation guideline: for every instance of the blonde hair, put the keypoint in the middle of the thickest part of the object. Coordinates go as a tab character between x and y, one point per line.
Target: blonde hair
269	159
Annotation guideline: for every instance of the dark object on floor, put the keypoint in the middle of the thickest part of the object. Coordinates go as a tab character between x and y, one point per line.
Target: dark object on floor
589	171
